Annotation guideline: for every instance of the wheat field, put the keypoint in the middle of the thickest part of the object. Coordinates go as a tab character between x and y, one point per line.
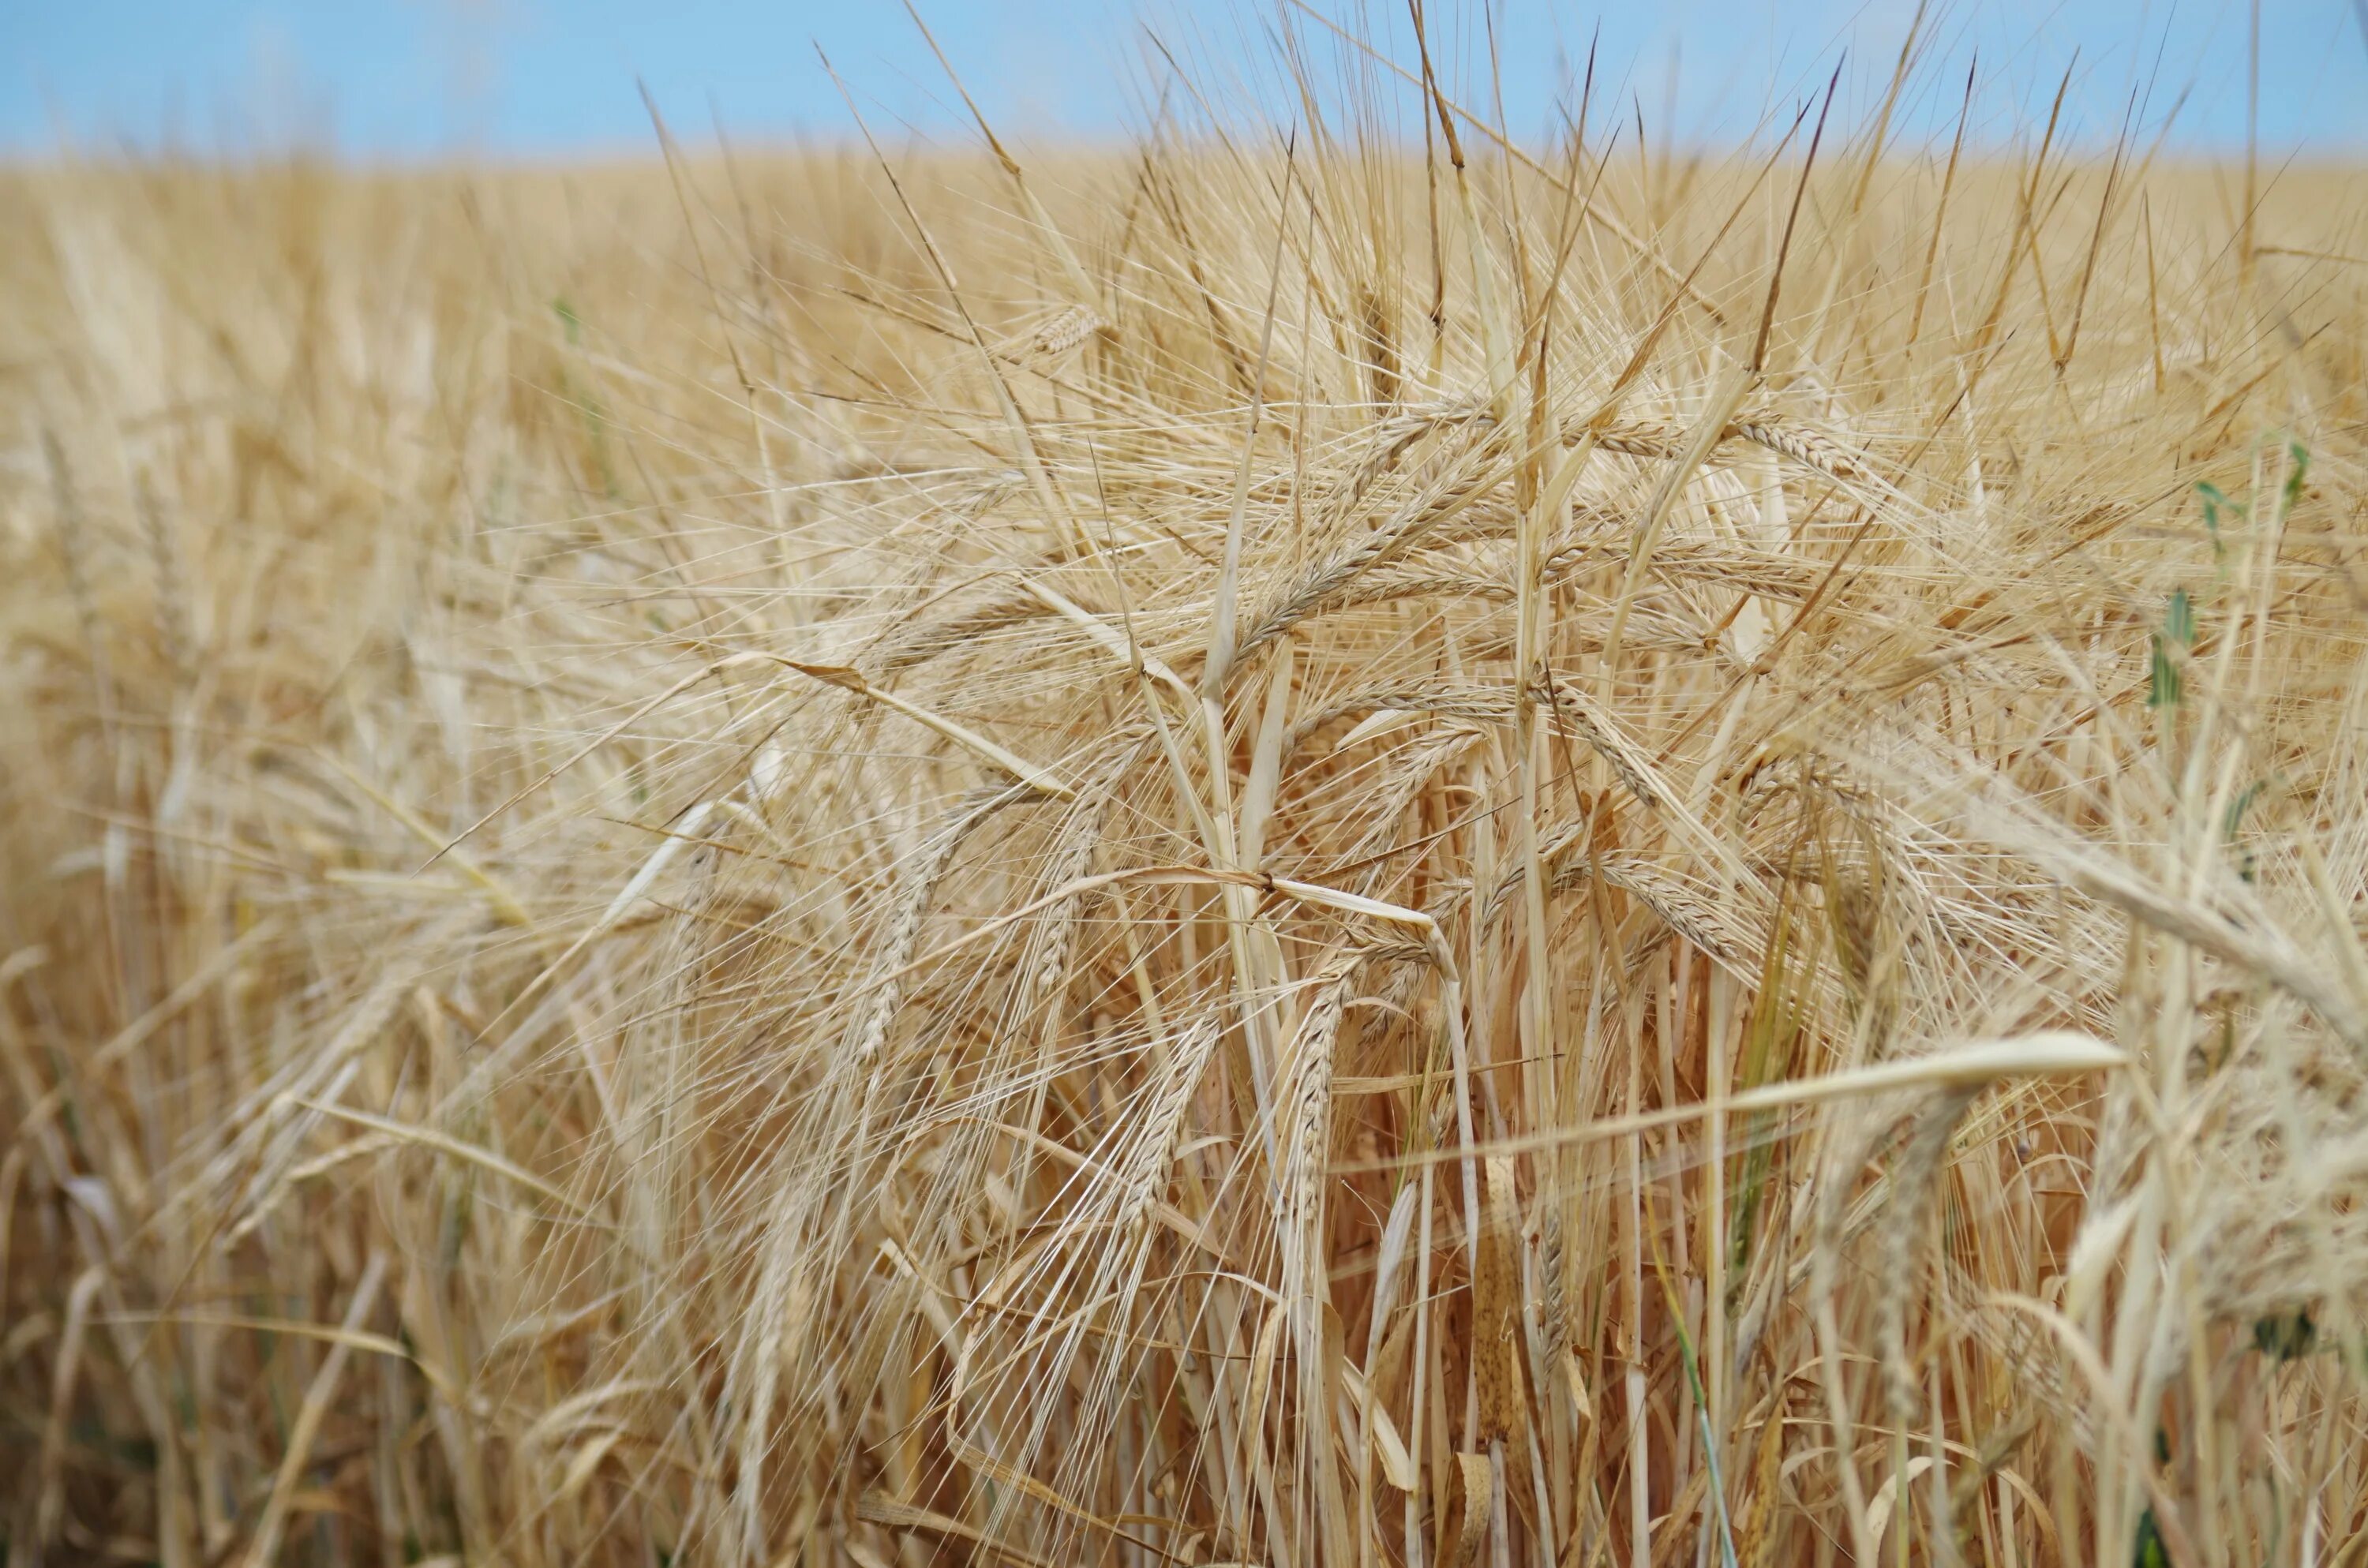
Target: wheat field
1292	846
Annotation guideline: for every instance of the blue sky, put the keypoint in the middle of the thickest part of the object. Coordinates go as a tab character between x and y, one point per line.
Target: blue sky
542	78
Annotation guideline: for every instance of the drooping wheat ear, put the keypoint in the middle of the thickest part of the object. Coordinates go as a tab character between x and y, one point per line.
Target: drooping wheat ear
1629	762
1862	933
1392	437
1407	962
1305	595
1753	1547
1724	934
928	868
1473	704
1916	1173
1655	626
916	645
1072	858
1164	1120
1308	1126
1063	332
1478	516
172	584
1393	976
1666	441
1379	342
274	1126
1306	1132
1809	448
1408	777
2035	1361
1658	439
1750	570
1306	1110
1571	708
73	546
1653	439
1554	1257
855	1083
1411	583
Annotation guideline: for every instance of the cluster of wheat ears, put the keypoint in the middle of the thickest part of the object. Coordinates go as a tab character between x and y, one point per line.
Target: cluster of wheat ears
1357	844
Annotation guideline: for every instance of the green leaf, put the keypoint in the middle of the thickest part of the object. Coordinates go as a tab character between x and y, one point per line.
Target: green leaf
2286	1337
2147	1550
2162	689
2212	502
2178	627
2240	805
2298	465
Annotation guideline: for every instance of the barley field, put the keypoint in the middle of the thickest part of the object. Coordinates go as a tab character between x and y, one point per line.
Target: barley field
1289	847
